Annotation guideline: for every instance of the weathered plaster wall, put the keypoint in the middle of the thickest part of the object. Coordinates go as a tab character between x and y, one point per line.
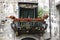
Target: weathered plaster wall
9	7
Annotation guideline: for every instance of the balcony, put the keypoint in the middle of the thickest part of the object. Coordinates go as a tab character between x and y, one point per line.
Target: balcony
29	27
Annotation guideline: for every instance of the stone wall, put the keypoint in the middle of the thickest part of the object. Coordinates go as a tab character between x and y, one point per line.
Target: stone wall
54	21
9	7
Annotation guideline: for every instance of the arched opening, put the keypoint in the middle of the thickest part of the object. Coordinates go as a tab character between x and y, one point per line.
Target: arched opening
28	38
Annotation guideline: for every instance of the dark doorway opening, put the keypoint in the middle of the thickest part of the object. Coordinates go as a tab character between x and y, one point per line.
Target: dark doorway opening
28	39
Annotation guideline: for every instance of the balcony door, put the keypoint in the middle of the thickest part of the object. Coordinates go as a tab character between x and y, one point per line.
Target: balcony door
27	12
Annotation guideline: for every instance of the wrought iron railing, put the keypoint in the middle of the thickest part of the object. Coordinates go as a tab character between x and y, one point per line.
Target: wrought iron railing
36	25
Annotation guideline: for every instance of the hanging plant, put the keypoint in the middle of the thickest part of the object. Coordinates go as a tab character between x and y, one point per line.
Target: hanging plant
40	12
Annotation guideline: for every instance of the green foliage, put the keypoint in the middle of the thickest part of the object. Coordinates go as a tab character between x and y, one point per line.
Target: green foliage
40	12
